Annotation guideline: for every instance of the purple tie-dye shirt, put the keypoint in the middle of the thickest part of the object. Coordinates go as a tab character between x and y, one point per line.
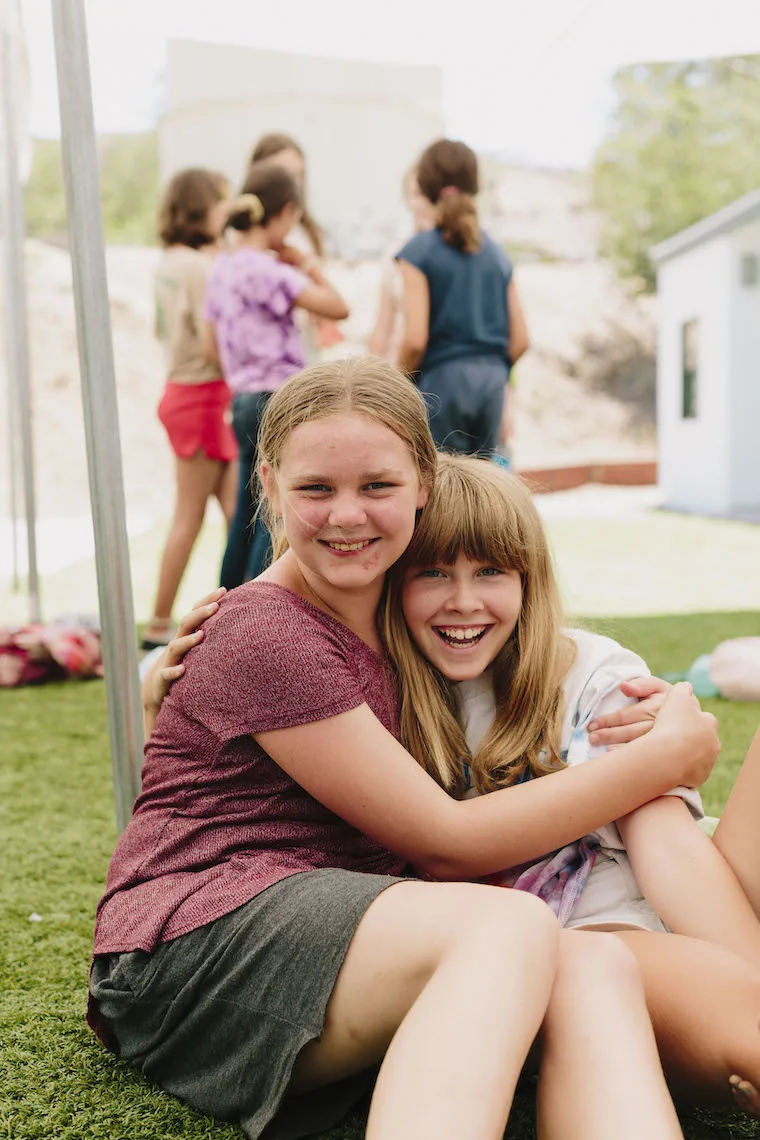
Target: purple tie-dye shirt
249	301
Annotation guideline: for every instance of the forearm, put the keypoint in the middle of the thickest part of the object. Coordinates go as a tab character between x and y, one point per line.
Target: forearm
380	337
150	712
152	693
686	880
524	822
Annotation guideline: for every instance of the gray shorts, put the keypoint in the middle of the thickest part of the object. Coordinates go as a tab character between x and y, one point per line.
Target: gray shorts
465	399
218	1016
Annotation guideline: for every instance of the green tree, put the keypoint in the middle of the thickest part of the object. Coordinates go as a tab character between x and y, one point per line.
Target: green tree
129	186
684	142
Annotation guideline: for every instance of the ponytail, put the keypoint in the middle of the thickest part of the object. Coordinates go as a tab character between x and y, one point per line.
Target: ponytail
457	218
267	190
447	174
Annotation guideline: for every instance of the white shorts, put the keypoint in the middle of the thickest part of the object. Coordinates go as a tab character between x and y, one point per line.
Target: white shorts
611	899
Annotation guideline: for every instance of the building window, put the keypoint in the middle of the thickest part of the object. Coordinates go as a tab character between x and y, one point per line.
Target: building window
750	270
689	369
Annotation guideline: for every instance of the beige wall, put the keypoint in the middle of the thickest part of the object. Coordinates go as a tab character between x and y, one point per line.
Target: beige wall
360	124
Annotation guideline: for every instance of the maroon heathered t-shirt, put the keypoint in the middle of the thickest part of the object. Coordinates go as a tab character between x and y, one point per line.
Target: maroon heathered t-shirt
217	820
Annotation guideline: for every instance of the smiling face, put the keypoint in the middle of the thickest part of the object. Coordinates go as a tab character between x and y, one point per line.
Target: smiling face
348	489
461	616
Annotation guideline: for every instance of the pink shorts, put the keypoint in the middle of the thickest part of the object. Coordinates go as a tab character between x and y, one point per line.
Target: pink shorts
197	418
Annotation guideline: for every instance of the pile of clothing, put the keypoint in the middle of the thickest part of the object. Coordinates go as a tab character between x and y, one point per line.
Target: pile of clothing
67	647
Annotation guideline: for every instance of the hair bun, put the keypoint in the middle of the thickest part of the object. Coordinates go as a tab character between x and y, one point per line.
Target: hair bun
248	204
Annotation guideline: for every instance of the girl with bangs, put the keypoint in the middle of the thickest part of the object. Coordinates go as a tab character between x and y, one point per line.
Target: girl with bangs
473	622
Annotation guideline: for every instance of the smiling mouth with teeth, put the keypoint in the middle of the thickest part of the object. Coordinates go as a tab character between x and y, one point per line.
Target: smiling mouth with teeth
349	547
461	635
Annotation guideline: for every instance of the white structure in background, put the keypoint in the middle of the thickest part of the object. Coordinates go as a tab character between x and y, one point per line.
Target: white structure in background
360	124
708	388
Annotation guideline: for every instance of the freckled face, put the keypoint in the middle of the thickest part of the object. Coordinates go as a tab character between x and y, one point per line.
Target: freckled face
461	616
348	490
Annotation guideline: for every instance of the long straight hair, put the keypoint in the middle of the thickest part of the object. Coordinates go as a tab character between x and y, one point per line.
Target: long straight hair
268	147
483	513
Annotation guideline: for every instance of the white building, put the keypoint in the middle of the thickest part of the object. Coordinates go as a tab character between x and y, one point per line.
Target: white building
360	124
708	387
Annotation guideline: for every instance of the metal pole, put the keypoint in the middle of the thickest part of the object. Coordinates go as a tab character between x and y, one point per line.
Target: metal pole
82	183
20	404
13	488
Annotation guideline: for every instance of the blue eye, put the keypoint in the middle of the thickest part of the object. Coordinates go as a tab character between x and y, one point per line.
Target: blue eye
490	571
314	487
378	486
431	573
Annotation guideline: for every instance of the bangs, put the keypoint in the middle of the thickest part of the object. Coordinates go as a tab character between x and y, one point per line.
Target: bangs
478	511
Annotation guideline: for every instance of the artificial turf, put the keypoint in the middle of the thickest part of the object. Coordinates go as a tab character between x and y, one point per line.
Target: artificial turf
56	822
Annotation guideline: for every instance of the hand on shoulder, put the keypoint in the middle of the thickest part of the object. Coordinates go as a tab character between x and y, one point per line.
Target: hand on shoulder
169	667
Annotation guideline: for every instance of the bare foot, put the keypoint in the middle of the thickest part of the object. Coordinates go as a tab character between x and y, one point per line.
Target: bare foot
746	1097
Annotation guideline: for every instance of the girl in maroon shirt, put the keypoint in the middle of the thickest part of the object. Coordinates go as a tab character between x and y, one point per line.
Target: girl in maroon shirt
248	956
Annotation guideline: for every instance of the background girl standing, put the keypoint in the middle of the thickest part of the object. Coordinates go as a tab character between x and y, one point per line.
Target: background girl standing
250	303
196	400
306	240
463	323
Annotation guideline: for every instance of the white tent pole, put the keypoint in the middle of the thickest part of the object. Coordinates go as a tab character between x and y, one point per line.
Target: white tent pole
16	333
13	488
101	418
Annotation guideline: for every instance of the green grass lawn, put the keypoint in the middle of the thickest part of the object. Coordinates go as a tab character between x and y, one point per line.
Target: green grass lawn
56	822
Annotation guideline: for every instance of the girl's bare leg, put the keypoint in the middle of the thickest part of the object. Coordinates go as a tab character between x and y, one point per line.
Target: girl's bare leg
600	1073
737	836
449	982
197	479
704	1002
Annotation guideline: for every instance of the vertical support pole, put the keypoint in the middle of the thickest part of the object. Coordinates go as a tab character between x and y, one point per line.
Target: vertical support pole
16	329
82	184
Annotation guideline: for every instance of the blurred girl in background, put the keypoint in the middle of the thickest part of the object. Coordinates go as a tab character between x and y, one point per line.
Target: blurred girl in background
306	239
251	300
195	403
463	323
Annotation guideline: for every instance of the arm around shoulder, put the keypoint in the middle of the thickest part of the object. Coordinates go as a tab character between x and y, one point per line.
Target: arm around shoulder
357	769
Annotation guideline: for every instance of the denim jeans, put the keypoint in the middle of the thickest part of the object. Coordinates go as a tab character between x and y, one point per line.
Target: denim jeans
248	545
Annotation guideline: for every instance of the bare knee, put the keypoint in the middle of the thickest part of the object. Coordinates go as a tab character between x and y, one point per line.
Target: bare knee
597	958
502	917
186	524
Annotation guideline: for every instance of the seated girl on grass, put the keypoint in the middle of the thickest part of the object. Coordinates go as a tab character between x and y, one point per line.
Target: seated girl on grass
473	623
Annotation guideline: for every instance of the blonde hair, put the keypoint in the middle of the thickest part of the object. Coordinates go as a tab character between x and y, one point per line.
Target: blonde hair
363	385
483	513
